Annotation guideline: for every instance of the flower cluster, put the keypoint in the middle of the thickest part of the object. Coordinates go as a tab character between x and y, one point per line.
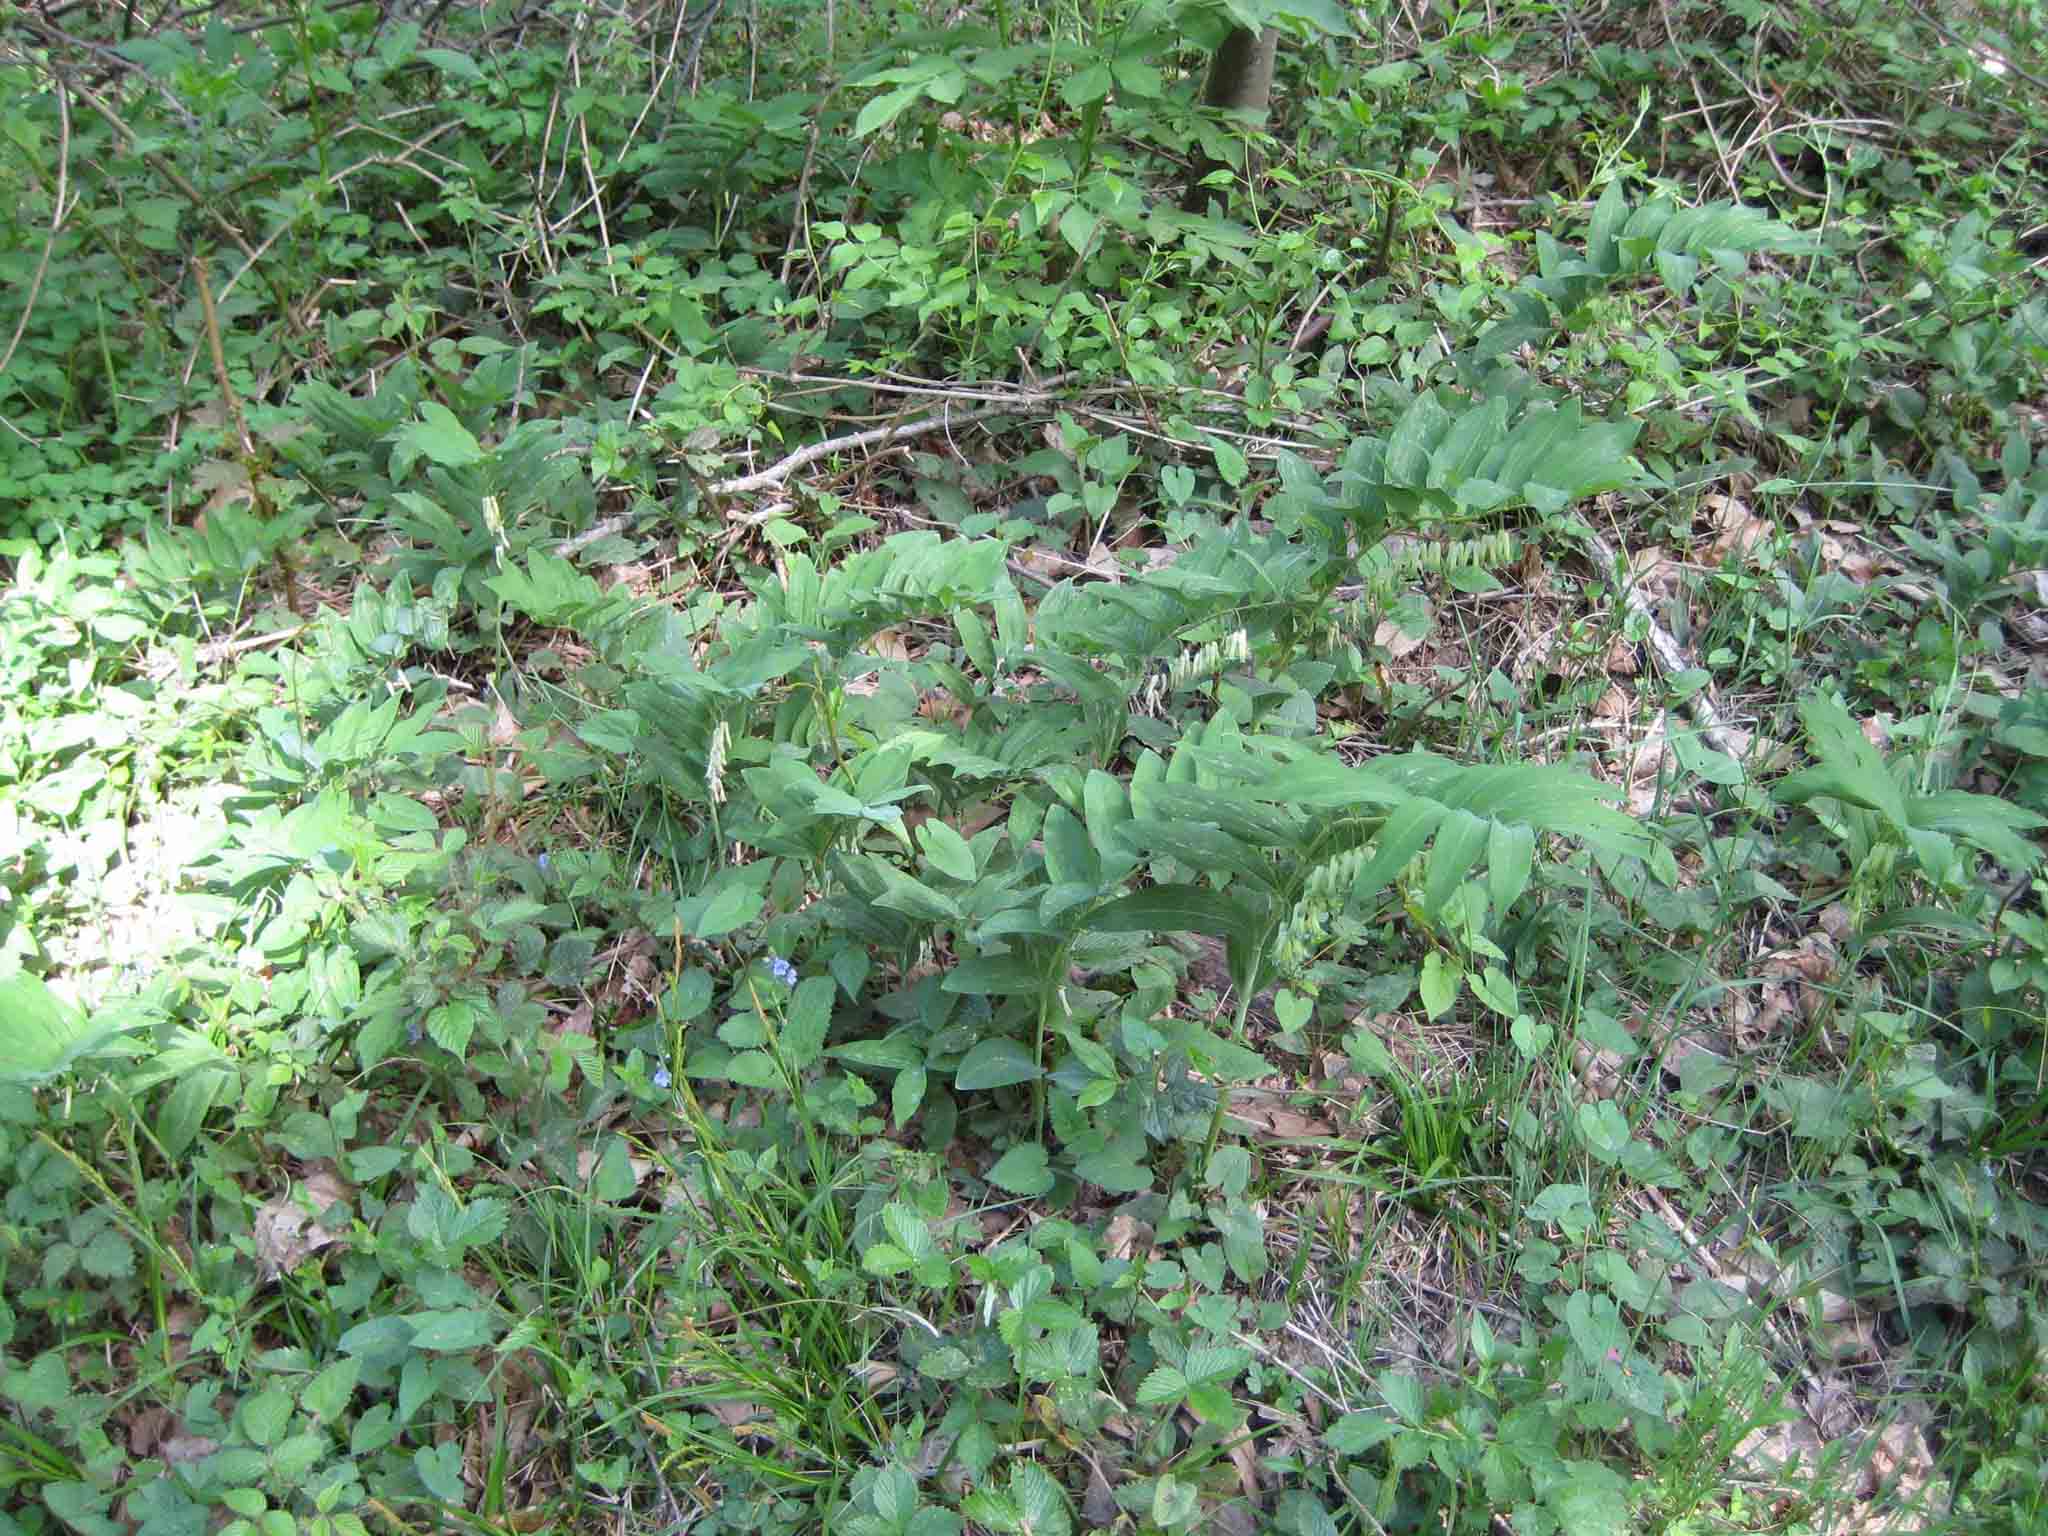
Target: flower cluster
782	971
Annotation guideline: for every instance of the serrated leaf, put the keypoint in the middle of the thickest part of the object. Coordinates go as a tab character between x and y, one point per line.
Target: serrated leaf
1163	1384
1356	1433
1403	1394
463	1329
1023	1170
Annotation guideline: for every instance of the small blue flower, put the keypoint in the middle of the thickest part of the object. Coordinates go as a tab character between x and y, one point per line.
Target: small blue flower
782	971
661	1077
413	1032
542	861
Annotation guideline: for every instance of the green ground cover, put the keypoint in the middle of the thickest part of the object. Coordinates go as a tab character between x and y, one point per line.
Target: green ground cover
747	786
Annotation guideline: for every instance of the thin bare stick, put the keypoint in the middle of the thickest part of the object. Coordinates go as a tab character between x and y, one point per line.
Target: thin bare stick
220	359
1714	728
168	171
783	468
57	211
799	226
604	233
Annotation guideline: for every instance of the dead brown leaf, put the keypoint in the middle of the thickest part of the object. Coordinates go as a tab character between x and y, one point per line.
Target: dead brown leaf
287	1229
1737	530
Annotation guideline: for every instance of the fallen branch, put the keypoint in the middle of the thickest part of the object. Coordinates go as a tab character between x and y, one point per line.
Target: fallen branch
923	426
1714	727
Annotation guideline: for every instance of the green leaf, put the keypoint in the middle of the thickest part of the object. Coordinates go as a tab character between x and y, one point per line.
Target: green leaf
1230	1169
467	1328
1013	975
907	1094
1439	985
41	1035
612	1179
1849	769
1161	1386
808	1020
1173	1502
1114	1171
1023	1170
1173	909
995	1064
1069	855
1403	1394
1211	1402
1585	1508
947	850
327	1395
265	1416
439	438
1230	463
1357	1433
885	109
732	905
1292	1010
440	1468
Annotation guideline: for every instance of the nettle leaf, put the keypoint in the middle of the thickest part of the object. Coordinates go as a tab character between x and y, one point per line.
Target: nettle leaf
1023	1170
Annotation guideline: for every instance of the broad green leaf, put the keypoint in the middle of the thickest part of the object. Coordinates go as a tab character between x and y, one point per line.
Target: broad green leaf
41	1035
1850	768
1510	860
1460	839
1173	909
1014	975
1403	1393
612	1179
1069	855
1356	1433
1114	1171
327	1395
440	438
947	850
906	1094
1023	1170
1162	1385
468	1328
809	1018
1439	984
732	905
885	109
995	1064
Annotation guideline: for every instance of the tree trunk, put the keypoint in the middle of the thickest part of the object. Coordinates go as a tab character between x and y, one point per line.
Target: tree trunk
1240	80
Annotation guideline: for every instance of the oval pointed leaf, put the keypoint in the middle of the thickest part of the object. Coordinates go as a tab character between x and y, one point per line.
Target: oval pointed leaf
995	1064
